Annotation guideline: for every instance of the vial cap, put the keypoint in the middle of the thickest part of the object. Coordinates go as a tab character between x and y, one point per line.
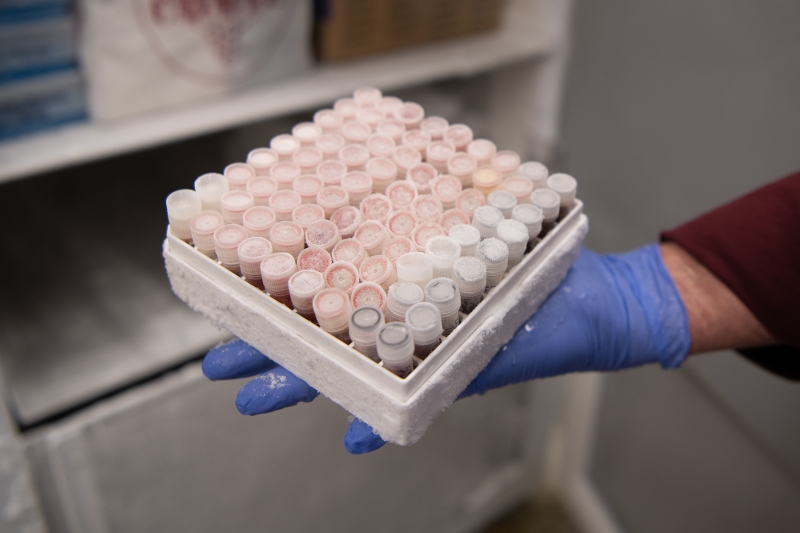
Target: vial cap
377	269
346	108
370	115
444	294
259	218
454	217
401	223
487	217
464	235
410	114
536	172
528	214
371	234
328	120
332	308
323	233
380	145
354	155
406	294
349	250
458	134
332	171
347	219
487	178
184	204
397	247
314	258
446	188
238	174
389	104
442	250
406	157
341	275
366	319
329	144
369	295
421	175
356	131
382	170
229	236
469	200
307	158
469	270
284	145
376	207
367	96
415	267
332	198
548	201
427	207
502	200
425	321
254	249
395	344
276	269
286	234
262	159
285	201
506	161
306	284
434	126
210	188
357	183
416	139
306	132
401	194
307	186
424	232
512	232
520	186
307	214
440	151
483	150
392	128
205	223
285	173
565	185
262	187
492	251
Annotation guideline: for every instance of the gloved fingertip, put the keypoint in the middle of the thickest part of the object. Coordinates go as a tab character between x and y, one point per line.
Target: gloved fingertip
234	359
272	391
360	438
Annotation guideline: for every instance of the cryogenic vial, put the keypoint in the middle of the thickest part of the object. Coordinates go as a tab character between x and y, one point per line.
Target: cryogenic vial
347	219
424	232
323	233
415	267
419	140
329	120
444	294
392	128
346	108
520	186
421	175
356	131
506	162
262	187
304	285
376	207
536	172
306	133
314	259
486	219
355	156
287	237
285	173
550	203
329	144
371	116
388	104
351	251
332	198
425	323
494	254
358	185
372	235
453	217
380	145
483	150
202	227
401	223
367	96
487	180
368	294
401	193
262	160
307	186
469	273
427	207
238	174
258	221
364	325
378	269
210	188
396	348
307	158
531	216
443	251
515	235
399	298
469	200
285	146
234	204
462	166
466	236
307	214
182	205
396	247
566	186
460	135
276	270
226	244
502	200
405	157
283	203
446	188
341	275
252	251
410	114
434	126
383	172
437	154
331	172
332	308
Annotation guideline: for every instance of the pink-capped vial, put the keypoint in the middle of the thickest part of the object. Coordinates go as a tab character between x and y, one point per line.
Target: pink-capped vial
307	214
421	175
346	108
358	185
341	275
252	251
351	251
226	245
210	188
486	219
402	194
307	158
466	236
531	216
506	162
333	308
276	270
462	166
283	203
368	294
380	145
258	221
392	128
536	172
469	200
314	258
332	198
424	232
398	246
502	200
367	96
329	144
401	223
383	172
370	115
202	227
487	180
376	206
365	322
434	126
356	131
287	237
347	219
520	186
515	235
332	171
446	188
304	285
372	235
416	268
388	104
307	186
418	140
234	204
454	217
262	160
238	174
438	153
428	208
324	234
405	157
329	120
460	135
378	269
284	173
483	150
355	156
443	251
262	187
411	114
306	133
285	146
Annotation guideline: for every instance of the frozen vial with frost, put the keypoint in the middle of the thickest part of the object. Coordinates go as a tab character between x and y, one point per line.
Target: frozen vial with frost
427	208
306	132
399	298
421	175
307	214
332	172
419	140
262	187
506	162
410	114
332	308
453	217
346	108
486	219
358	186
314	259
351	251
424	232
234	204
324	234
238	174
226	244
355	156
307	186
378	269
466	236
347	219
392	128
446	188
415	267
262	160
401	223
396	348
276	270
444	294
469	273
287	237
283	203
405	157
536	172
376	207
434	126
368	294
443	251
469	200
285	173
304	285
494	254
401	193
383	172
329	144
462	166
356	132
341	275
285	146
210	188
202	227
458	134
307	158
438	153
182	205
550	203
332	198
372	235
364	325
258	221
425	323
520	186
487	180
515	235
567	187
531	216
367	96
397	247
371	116
252	251
502	200
329	120
483	150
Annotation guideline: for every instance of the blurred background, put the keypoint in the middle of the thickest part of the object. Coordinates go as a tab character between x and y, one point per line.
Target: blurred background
661	110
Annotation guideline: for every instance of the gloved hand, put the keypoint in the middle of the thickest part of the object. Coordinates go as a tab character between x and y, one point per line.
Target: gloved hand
611	312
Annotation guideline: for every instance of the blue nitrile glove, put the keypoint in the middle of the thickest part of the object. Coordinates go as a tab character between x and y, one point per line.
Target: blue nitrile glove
611	312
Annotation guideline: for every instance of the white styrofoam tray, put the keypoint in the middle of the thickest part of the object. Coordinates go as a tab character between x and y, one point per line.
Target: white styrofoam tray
399	410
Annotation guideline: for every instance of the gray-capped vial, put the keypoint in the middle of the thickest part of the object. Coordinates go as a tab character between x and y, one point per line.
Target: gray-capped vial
202	226
182	205
550	203
238	174
567	187
258	221
276	270
415	267
210	187
486	219
494	254
226	244
425	323
234	204
502	200
252	251
332	308
536	172
515	235
396	348
400	297
532	217
443	252
467	237
469	273
304	285
364	325
445	295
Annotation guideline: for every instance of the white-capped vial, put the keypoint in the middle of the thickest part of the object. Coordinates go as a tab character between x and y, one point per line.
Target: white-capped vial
332	308
285	146
536	172
427	208
520	186
494	254
515	235
364	325
506	162
400	297
307	214
380	145
285	173
238	174
306	133
262	187
252	251
469	200
567	187
397	247
437	154
424	232
372	235
483	150
487	180
532	217
341	275
453	217
376	207
401	223
182	205
550	203
401	193
392	128
358	185
367	96
462	166
329	144
346	108
388	104
415	267
486	219
329	120
355	156
258	221
411	114
469	273
444	294
460	135
396	348
226	244
419	140
304	285
202	227
234	204
276	270
314	258
383	172
368	294
466	236
378	269
405	157
262	160
210	188
421	175
502	200
351	251
443	252
347	219
331	171
425	322
307	158
434	126
356	132
283	203
323	233
287	237
332	198
446	188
